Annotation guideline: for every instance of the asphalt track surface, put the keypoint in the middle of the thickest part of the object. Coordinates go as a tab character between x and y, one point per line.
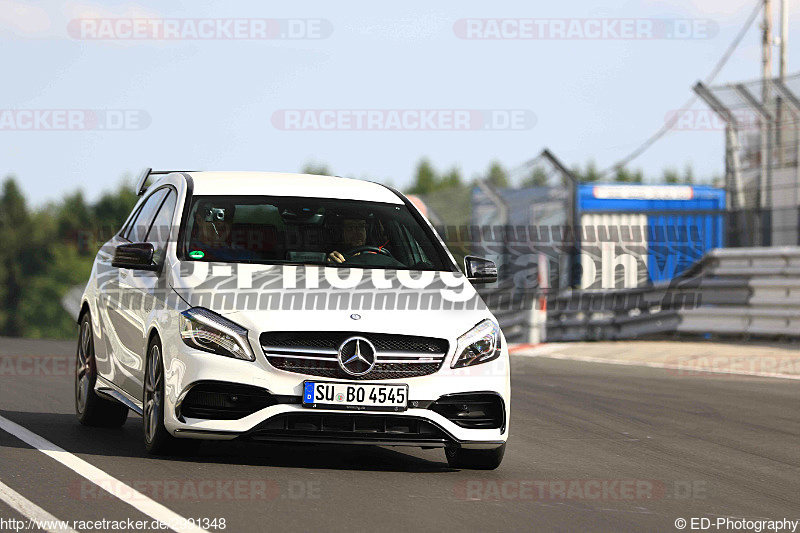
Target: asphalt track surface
593	447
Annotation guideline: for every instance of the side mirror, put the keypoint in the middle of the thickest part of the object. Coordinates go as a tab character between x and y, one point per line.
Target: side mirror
137	255
480	270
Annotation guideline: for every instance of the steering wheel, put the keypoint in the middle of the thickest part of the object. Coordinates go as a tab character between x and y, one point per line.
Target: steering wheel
359	249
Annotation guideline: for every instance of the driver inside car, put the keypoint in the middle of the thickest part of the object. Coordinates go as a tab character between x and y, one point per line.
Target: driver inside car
212	232
354	238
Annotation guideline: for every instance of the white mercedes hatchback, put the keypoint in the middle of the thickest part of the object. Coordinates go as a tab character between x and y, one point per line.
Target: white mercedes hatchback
290	308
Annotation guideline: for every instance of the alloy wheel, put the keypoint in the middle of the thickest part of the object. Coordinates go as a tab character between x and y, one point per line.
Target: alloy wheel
153	393
85	366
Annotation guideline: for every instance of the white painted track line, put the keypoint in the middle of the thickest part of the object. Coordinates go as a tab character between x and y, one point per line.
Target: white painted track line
132	497
31	511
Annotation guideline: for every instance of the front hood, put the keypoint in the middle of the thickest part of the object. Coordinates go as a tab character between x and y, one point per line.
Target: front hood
440	324
311	298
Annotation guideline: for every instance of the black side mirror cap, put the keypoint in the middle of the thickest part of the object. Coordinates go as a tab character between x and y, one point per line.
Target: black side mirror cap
136	256
480	270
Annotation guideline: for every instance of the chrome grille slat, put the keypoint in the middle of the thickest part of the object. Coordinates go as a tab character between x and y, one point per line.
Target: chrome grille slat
302	357
408	361
417	355
299	349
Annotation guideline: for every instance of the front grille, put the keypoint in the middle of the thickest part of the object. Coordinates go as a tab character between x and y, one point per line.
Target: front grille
383	342
315	354
349	427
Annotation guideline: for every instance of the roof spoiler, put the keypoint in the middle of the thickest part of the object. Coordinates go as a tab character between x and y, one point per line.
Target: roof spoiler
141	183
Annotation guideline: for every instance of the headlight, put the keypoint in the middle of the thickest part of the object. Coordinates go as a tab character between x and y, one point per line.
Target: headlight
204	330
479	345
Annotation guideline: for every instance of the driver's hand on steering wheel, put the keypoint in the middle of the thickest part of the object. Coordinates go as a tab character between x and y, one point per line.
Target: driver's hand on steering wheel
336	257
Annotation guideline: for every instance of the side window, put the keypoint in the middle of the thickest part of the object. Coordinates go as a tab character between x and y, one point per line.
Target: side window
137	231
129	221
159	232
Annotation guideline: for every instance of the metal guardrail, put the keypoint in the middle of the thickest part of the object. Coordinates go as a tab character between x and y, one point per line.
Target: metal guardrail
630	313
779	261
742	292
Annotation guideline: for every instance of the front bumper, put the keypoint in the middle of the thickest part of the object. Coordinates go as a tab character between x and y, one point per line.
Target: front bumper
288	420
411	428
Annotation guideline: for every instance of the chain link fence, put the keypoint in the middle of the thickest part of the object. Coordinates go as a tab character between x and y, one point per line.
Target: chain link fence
760	119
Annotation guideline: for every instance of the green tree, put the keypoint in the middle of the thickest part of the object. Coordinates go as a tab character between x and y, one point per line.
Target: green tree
106	217
591	173
670	176
451	179
624	175
497	175
319	169
425	180
112	209
537	178
73	216
15	236
44	254
40	310
688	174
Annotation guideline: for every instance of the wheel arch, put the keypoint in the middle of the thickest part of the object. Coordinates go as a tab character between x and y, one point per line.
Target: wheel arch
153	333
84	309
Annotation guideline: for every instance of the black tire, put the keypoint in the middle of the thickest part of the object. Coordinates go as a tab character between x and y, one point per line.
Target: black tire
475	459
92	410
157	440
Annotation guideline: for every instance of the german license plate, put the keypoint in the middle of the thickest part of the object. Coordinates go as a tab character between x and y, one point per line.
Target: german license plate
355	396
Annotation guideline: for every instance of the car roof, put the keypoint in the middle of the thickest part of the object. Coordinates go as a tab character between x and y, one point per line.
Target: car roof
286	184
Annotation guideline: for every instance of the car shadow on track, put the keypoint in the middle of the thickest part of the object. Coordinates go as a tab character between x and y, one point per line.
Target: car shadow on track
65	431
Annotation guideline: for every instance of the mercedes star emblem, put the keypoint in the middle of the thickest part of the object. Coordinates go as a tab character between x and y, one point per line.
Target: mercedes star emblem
357	356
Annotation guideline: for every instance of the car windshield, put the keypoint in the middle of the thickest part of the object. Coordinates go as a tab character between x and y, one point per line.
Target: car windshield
296	230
